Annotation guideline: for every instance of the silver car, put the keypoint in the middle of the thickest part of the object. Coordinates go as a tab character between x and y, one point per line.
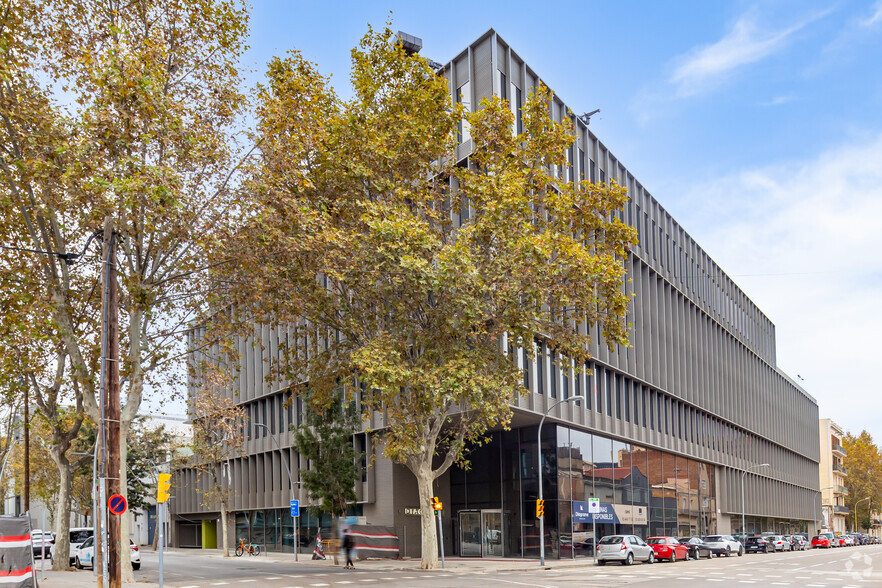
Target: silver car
723	545
779	542
624	548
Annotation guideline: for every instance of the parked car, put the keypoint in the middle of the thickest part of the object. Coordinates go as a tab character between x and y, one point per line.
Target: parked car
798	543
819	541
839	540
668	548
77	536
757	545
723	545
41	540
625	549
697	548
849	540
85	554
778	542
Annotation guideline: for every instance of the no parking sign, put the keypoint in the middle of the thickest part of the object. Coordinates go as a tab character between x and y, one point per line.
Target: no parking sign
116	504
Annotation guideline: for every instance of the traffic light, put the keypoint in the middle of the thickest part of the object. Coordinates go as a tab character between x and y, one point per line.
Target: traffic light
540	508
436	504
162	488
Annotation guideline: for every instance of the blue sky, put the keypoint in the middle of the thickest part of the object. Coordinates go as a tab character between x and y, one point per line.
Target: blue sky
757	125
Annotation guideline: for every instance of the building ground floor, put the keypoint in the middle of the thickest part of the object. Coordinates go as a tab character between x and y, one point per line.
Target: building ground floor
490	505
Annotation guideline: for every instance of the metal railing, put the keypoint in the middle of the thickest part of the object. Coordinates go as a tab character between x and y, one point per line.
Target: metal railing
840	468
840	508
840	449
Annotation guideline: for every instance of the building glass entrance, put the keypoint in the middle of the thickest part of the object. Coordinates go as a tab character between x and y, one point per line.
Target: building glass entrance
642	491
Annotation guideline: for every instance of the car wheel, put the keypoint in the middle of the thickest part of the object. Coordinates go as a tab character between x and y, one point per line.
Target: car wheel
630	559
740	551
601	562
136	566
728	551
651	558
77	564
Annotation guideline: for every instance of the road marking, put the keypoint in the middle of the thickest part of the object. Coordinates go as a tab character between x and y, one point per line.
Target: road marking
243	581
714	579
319	584
820	564
219	583
780	583
746	582
273	578
295	576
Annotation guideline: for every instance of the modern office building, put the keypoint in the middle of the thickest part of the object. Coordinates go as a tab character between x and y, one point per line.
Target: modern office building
668	427
832	475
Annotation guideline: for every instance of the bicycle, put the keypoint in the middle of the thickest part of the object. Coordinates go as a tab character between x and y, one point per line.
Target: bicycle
252	548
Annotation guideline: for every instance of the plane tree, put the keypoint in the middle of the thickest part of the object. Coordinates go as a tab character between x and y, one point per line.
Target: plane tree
408	275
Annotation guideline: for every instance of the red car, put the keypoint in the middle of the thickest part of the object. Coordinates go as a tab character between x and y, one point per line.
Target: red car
821	541
668	548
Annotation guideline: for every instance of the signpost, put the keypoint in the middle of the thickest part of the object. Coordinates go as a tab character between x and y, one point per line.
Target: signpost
295	508
163	485
594	508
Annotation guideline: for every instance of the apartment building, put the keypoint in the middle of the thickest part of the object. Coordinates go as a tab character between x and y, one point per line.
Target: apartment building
832	475
667	428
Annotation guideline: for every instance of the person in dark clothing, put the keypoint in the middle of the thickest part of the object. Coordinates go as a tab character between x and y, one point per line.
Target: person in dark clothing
348	544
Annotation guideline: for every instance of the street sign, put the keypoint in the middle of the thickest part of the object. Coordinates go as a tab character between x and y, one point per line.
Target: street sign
593	506
295	508
117	504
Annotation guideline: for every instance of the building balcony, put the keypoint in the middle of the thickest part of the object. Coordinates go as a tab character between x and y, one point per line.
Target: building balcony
840	490
840	468
838	508
839	450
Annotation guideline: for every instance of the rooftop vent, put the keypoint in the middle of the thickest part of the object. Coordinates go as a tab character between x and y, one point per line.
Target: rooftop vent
410	43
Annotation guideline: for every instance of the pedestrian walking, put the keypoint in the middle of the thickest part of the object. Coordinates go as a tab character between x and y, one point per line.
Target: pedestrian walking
348	544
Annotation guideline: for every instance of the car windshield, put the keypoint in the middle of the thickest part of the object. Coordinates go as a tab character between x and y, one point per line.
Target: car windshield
713	538
656	541
688	540
611	540
80	536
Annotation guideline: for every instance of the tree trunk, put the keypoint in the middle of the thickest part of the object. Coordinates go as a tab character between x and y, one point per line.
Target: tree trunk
125	524
224	542
61	560
429	544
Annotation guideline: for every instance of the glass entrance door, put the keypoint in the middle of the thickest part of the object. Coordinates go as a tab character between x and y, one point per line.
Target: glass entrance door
469	533
491	527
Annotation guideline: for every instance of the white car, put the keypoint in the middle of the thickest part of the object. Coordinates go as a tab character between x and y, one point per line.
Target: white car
849	540
723	545
85	555
77	536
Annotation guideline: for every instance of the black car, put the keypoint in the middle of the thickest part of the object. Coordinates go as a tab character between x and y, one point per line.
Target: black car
758	545
697	548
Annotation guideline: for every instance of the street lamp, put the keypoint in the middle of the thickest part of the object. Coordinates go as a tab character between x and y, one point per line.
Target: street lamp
293	491
817	530
855	511
539	449
743	524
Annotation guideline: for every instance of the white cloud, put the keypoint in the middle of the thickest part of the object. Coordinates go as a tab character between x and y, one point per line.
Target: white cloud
748	42
875	18
803	241
778	100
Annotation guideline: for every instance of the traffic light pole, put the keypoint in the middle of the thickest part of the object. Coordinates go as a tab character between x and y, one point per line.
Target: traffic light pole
441	537
160	522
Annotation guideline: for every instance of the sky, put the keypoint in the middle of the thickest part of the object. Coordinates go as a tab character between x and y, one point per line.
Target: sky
757	125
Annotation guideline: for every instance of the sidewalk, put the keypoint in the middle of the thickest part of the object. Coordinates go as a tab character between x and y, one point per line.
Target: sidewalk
84	578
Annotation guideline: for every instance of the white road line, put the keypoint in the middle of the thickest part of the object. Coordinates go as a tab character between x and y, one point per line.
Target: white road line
249	580
273	578
780	583
219	583
714	579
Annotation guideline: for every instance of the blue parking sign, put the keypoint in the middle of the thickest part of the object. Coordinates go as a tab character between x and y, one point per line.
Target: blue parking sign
295	508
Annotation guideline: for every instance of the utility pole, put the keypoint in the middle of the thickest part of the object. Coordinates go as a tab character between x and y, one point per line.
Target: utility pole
111	420
108	556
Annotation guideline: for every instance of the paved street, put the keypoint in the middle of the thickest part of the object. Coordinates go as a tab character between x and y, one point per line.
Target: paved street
855	566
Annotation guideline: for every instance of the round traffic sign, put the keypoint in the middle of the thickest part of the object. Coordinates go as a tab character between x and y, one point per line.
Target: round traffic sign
117	504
